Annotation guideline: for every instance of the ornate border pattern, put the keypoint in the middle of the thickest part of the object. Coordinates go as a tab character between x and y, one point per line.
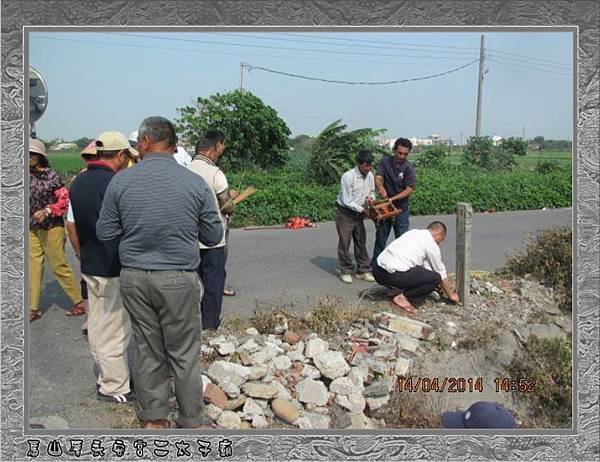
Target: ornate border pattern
348	446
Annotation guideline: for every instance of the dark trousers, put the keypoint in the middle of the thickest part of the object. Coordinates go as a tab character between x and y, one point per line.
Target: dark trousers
212	274
400	225
416	283
350	226
163	308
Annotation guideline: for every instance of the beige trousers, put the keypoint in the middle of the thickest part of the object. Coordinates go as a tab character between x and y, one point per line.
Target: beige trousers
109	332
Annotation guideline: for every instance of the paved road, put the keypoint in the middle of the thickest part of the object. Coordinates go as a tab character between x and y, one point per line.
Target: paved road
266	267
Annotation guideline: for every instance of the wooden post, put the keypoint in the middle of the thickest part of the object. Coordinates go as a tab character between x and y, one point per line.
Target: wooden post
464	219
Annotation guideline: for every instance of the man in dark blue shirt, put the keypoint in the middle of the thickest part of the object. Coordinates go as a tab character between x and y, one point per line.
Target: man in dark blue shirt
109	327
395	177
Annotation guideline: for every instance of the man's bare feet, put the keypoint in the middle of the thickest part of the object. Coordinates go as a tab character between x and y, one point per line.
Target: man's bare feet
402	302
161	424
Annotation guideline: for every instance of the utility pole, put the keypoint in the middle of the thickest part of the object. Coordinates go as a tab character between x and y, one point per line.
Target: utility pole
480	86
523	137
242	65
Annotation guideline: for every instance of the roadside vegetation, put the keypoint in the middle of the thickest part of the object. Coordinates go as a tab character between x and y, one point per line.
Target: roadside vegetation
548	362
548	258
299	176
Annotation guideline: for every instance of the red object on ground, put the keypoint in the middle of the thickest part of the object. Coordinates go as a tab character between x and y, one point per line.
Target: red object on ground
299	222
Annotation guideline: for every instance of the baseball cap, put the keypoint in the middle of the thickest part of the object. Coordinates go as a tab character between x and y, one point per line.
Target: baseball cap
89	150
37	147
133	136
114	141
482	414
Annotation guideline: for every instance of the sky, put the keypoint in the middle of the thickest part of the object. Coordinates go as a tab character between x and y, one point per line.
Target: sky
99	81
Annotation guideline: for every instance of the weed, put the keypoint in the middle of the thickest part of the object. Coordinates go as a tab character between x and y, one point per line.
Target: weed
548	362
548	257
234	324
411	410
481	336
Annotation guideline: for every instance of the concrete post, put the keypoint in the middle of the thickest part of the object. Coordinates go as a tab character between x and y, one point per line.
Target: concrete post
464	219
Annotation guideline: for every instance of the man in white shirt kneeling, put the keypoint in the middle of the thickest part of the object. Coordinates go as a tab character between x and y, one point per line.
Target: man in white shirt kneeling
413	264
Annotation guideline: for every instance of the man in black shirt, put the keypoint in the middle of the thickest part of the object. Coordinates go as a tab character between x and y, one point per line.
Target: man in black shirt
395	177
109	327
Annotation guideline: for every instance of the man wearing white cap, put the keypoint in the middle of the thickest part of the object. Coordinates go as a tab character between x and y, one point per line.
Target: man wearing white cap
182	157
109	327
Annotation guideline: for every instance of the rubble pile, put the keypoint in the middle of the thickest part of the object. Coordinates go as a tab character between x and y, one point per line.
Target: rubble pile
283	379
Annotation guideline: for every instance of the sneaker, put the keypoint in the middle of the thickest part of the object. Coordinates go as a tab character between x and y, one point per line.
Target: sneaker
346	278
366	277
122	398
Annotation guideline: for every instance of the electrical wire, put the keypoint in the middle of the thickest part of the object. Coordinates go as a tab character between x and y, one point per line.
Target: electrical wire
320	42
521	66
530	58
311	50
240	54
345	82
519	61
386	42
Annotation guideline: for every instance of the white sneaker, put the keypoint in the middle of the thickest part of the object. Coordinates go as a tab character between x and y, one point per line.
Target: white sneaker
346	278
366	277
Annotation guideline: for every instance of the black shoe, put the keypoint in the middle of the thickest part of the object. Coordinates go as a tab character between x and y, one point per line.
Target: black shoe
121	399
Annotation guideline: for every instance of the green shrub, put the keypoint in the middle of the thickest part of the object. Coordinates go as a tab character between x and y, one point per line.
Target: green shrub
478	152
516	146
548	258
548	362
432	157
547	166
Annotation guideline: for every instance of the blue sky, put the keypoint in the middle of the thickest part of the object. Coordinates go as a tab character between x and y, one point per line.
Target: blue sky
102	81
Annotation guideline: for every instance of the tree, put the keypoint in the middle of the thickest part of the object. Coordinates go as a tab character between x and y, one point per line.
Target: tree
254	134
516	146
82	142
334	151
479	152
433	157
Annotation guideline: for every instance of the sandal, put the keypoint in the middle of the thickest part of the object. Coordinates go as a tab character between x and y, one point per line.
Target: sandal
77	310
34	314
229	292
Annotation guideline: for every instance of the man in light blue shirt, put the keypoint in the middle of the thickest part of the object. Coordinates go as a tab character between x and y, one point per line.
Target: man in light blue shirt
357	189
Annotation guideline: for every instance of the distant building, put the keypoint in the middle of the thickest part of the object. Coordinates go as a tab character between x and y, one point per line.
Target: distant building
497	139
62	147
431	140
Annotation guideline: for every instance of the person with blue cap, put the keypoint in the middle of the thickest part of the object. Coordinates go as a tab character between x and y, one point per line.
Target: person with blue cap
482	414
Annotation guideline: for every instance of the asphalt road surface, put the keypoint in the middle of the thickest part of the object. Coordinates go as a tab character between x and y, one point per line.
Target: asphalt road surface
266	267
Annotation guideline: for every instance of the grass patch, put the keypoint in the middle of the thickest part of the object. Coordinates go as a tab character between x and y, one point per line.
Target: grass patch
325	317
481	336
548	257
234	324
548	362
411	410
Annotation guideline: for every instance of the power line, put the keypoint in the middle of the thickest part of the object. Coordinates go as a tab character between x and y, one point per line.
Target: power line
240	54
321	42
521	66
387	42
389	82
530	58
530	63
311	50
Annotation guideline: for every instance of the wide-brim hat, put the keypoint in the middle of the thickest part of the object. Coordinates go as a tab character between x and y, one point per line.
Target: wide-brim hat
37	147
